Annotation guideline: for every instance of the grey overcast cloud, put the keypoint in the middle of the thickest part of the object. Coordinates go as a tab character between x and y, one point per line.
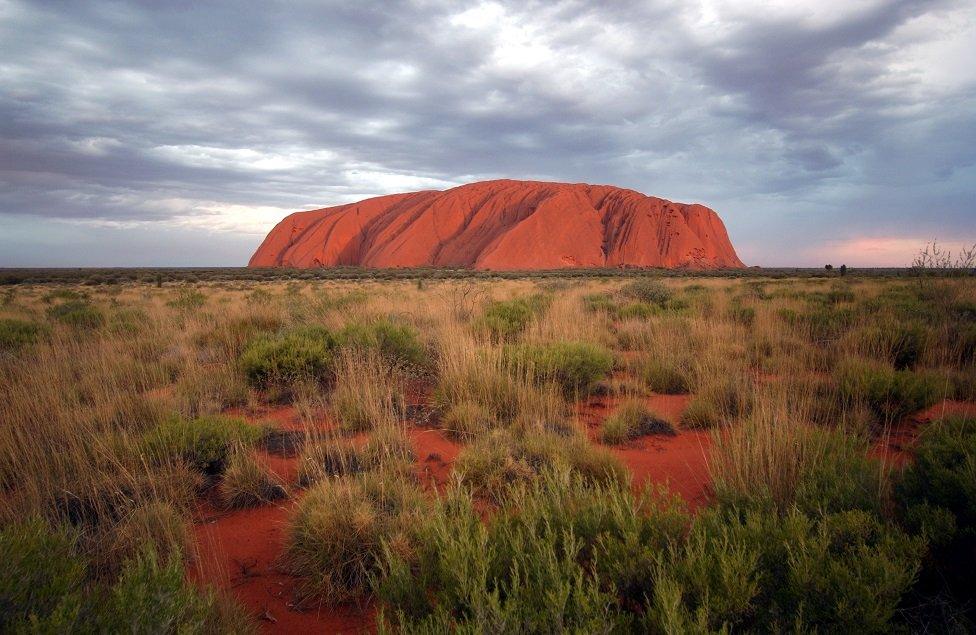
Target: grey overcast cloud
179	133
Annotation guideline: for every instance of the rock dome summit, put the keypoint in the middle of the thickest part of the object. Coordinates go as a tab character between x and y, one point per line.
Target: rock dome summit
503	225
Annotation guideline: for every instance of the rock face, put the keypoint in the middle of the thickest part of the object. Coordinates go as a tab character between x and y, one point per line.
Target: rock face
503	225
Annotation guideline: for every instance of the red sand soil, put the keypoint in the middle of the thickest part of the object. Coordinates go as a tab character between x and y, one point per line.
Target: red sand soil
678	463
237	551
435	456
502	225
895	445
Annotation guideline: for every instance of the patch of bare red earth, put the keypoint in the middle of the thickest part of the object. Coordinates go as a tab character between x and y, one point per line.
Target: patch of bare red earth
677	463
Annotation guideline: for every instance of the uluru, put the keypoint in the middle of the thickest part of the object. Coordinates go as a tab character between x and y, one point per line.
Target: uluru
503	225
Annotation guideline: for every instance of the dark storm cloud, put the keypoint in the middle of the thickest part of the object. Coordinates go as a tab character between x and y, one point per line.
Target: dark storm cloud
799	126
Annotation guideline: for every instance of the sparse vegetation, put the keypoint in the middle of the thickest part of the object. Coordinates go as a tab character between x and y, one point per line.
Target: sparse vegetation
460	449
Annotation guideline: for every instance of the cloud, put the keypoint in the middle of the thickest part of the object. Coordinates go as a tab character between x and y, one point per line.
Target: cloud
802	123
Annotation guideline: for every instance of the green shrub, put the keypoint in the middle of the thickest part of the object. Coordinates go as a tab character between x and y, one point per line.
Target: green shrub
66	295
744	315
559	556
631	420
15	334
43	574
396	342
666	377
575	366
600	303
938	498
77	314
155	597
205	443
890	394
297	354
506	319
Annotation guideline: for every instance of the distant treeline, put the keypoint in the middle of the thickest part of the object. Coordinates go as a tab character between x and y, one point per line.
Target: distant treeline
159	275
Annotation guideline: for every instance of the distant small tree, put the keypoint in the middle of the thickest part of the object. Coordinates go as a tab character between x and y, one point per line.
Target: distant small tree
843	270
829	267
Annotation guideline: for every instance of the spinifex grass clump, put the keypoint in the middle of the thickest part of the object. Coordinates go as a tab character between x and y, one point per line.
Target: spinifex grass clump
247	483
631	420
387	449
890	394
204	443
504	458
368	393
720	399
335	536
667	376
574	366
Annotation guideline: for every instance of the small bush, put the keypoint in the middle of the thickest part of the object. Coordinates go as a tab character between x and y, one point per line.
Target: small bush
246	483
506	319
15	334
205	443
744	315
938	497
898	344
43	573
890	394
396	342
575	366
335	536
298	354
154	524
631	420
77	314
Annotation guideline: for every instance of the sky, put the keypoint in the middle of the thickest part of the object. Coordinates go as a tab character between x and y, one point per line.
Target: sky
178	133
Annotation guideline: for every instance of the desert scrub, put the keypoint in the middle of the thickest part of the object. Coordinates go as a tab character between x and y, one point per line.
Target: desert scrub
47	589
387	449
526	571
937	496
631	420
205	443
574	366
506	319
77	314
229	337
772	458
720	399
890	394
495	462
466	420
648	291
187	300
156	524
303	353
247	483
396	342
666	376
336	533
206	390
901	345
368	392
15	334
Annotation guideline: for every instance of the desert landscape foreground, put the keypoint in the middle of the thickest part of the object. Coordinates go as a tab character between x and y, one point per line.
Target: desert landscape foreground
568	453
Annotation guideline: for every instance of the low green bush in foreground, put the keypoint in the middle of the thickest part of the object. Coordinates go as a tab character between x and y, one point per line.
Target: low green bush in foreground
631	420
204	443
304	353
890	394
15	333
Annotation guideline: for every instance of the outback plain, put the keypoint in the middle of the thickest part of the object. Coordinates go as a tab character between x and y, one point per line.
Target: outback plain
523	453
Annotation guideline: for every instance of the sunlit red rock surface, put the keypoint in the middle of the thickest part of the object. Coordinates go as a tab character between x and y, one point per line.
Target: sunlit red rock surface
503	225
